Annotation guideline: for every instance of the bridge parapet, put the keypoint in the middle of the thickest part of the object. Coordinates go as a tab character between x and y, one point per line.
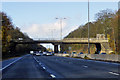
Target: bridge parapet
46	39
92	40
85	39
101	44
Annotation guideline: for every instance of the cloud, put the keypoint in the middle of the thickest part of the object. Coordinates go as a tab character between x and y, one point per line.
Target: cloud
44	30
34	28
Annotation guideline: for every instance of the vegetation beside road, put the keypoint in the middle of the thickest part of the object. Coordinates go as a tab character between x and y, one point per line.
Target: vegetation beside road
10	32
107	23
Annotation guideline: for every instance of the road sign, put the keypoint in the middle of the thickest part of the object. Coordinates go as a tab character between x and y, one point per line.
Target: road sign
70	48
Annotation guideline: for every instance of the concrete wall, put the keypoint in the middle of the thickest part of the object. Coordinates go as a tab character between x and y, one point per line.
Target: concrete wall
110	57
107	57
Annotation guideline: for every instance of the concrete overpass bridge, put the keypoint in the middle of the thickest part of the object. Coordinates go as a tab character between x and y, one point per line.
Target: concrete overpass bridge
102	45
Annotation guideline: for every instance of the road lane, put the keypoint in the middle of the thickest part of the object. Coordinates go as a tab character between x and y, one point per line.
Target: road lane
6	62
74	68
25	68
93	64
59	67
10	61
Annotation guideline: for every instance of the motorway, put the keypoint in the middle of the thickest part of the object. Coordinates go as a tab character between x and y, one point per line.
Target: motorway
54	67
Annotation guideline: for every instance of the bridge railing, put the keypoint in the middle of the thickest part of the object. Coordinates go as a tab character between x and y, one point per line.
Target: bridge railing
36	39
46	39
86	39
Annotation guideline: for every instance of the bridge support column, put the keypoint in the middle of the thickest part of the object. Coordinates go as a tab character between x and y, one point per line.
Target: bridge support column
98	48
55	48
102	48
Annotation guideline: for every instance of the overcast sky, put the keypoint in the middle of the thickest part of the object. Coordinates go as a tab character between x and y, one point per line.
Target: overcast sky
37	19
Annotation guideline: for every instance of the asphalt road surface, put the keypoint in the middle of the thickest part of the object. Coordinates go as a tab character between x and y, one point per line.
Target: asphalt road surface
54	67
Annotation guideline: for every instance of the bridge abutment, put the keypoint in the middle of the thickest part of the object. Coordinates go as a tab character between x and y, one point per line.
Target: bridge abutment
105	48
55	48
98	48
102	48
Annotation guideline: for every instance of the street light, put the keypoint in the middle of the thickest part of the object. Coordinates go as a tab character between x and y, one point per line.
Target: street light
61	30
60	25
88	31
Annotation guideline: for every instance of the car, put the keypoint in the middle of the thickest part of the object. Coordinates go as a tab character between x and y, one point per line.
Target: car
37	54
65	52
44	53
31	52
49	54
74	52
81	53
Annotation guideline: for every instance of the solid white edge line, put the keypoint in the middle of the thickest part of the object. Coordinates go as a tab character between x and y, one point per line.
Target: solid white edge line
114	73
10	63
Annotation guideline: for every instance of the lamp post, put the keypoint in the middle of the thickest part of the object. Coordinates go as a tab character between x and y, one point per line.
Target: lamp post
88	31
61	30
60	25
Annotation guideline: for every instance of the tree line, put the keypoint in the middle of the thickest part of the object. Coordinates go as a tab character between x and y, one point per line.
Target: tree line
10	32
107	23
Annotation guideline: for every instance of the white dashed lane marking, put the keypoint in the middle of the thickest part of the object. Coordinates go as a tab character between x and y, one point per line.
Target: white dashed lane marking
86	66
53	76
44	68
114	73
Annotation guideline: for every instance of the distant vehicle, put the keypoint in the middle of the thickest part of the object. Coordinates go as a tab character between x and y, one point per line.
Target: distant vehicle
31	52
65	52
40	51
49	54
44	53
81	53
74	52
37	54
103	53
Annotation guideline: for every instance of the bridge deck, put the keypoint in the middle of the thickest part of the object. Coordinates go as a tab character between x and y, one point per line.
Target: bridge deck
66	40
